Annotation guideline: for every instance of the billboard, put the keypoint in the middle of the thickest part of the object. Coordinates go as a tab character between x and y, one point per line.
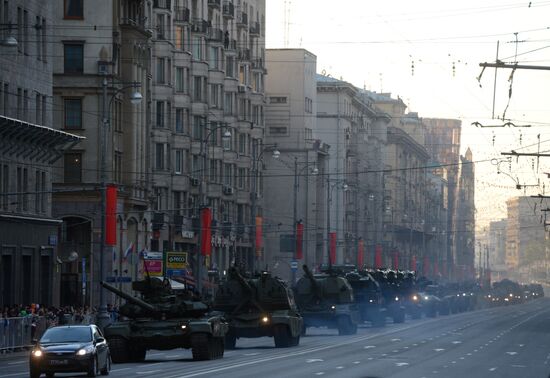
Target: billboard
153	263
176	263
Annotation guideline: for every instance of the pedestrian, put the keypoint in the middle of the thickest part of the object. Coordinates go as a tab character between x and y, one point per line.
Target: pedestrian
226	40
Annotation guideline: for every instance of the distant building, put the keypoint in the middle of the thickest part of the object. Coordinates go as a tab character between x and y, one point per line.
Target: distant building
29	146
497	248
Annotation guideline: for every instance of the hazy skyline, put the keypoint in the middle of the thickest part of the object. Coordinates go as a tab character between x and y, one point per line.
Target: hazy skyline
428	53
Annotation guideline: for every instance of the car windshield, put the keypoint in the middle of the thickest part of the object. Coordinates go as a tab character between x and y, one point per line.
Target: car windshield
67	335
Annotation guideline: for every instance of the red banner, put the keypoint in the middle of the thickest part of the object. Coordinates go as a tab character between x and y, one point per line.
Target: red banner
299	241
413	263
396	259
110	215
259	234
378	256
332	252
206	231
360	253
426	266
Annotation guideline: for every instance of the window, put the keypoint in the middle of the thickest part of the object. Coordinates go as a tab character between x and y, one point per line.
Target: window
38	109
19	103
197	48
25	189
118	167
242	175
37	37
37	194
199	88
230	66
5	186
178	203
6	100
242	143
278	131
160	113
213	58
74	58
26	32
160	156
216	91
26	105
178	163
74	9
44	41
277	100
228	103
73	168
179	38
181	119
227	174
308	105
180	79
161	27
161	79
197	127
73	113
19	189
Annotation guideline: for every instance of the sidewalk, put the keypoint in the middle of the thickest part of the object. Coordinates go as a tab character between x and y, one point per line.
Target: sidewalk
15	355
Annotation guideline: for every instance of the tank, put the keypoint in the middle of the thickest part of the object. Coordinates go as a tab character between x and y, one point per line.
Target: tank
368	296
162	318
327	300
258	307
393	298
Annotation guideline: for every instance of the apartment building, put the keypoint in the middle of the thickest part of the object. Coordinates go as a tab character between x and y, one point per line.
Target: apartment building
208	126
296	179
28	148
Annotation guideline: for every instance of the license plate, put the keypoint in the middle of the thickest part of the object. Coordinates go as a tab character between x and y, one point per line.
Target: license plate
59	362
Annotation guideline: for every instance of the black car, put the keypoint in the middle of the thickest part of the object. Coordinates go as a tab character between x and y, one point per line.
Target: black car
70	349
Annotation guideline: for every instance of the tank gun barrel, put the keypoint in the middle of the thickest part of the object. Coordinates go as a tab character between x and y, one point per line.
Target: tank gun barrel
312	280
129	298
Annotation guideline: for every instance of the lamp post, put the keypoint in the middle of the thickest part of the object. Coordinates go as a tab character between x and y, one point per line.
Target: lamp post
202	153
330	188
136	97
256	159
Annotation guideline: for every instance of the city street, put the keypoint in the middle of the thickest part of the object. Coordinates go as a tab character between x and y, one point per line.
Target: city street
501	342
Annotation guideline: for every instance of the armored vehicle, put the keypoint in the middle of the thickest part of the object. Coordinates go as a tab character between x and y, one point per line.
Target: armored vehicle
327	300
392	293
163	319
257	307
368	297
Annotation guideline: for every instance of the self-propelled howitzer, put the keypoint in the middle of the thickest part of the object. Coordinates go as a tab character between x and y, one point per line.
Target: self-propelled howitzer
162	318
326	300
257	307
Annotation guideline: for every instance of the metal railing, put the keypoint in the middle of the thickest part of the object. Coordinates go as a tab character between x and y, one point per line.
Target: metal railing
18	333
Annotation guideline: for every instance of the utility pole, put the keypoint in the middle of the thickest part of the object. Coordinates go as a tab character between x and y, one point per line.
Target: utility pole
295	215
329	200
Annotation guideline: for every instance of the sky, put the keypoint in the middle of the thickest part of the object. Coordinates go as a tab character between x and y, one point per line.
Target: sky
428	53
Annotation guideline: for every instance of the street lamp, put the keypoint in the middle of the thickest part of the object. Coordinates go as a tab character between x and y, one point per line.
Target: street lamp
256	158
226	137
135	98
10	40
330	188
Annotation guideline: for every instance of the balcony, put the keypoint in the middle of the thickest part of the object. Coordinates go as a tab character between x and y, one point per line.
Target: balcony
199	26
242	20
214	4
162	4
255	29
215	34
228	9
182	14
258	63
138	24
244	54
232	45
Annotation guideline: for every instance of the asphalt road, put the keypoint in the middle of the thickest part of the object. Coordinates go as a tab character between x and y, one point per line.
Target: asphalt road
510	341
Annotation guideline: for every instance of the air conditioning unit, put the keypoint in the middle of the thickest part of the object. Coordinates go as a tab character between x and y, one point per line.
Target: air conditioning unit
227	190
241	88
194	181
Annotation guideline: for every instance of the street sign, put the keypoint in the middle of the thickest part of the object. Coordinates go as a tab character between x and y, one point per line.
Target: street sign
176	263
294	265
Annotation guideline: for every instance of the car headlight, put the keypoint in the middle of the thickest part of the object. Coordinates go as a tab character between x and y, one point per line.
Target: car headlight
415	298
183	327
37	353
265	319
84	351
396	298
511	295
370	301
426	298
333	307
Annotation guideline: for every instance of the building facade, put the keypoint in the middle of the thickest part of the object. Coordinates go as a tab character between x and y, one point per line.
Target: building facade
464	223
29	261
296	179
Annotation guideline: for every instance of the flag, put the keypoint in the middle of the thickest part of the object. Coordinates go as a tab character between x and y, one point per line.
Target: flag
259	234
332	252
378	256
360	253
110	215
413	263
206	231
128	250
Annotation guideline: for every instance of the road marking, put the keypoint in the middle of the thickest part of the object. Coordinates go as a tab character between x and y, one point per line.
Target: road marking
311	360
16	362
521	345
406	347
519	366
369	347
469	354
370	358
395	351
461	358
320	373
439	349
13	375
339	367
147	372
145	366
356	362
394	340
493	369
457	342
512	353
415	344
400	364
121	369
453	362
173	356
251	354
